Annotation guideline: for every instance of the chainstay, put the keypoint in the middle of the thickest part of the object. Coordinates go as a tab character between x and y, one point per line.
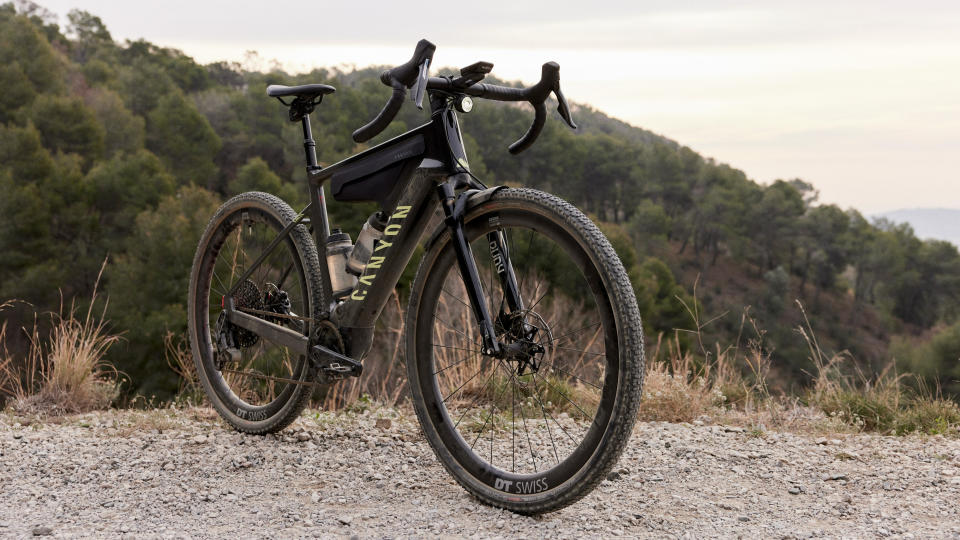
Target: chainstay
272	314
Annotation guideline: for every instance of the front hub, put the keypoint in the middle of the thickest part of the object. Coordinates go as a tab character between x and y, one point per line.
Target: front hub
524	335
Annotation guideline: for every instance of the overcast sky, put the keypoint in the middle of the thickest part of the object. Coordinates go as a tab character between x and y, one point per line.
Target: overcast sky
861	98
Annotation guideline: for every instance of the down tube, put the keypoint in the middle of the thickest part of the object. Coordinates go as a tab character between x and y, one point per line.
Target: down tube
408	222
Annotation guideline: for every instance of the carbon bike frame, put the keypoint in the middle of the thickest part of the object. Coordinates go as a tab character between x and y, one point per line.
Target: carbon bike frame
442	170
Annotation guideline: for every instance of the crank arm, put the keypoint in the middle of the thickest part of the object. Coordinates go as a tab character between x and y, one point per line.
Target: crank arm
335	363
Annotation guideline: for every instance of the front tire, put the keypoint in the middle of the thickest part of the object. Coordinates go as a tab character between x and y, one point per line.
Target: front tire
569	409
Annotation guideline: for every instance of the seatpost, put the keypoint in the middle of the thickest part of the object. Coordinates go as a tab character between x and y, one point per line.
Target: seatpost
309	146
316	192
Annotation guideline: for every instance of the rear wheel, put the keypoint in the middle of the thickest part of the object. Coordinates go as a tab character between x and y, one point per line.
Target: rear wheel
255	385
537	428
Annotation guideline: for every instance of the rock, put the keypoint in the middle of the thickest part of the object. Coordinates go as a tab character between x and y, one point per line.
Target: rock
346	520
835	476
794	490
42	531
743	519
303	436
199	439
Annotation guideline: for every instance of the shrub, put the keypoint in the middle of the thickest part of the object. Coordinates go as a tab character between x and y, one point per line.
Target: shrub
67	373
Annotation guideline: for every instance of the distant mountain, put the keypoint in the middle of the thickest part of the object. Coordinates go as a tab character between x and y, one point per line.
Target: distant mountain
930	223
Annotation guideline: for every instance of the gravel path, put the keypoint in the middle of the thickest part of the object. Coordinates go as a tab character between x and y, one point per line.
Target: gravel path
371	475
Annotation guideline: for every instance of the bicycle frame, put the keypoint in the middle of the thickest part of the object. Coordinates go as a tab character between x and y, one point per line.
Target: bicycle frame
437	151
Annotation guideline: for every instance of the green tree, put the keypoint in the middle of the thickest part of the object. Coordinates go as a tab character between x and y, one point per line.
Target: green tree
183	139
22	42
122	188
148	283
257	176
17	91
126	132
67	125
89	35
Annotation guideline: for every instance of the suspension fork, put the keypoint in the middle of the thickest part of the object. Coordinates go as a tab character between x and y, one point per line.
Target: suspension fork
453	209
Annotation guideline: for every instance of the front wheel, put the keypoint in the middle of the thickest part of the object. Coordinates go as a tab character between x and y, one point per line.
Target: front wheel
537	429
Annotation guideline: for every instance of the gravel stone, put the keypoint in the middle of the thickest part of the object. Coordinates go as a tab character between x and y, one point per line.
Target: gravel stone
181	473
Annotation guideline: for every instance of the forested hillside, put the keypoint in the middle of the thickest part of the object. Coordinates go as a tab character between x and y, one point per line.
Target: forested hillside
122	151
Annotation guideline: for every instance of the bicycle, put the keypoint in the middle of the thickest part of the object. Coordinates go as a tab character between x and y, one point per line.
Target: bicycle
521	322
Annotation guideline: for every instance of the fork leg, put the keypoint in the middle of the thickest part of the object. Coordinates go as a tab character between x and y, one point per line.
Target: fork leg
468	268
500	254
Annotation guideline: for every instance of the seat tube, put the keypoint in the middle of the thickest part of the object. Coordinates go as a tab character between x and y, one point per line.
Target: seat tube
468	267
317	200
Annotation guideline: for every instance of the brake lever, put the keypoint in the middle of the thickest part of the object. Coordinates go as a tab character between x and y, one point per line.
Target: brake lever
562	106
421	85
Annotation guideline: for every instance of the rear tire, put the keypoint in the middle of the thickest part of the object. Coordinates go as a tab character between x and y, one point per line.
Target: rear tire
602	381
249	404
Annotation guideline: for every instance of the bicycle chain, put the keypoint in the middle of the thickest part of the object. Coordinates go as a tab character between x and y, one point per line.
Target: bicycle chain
329	377
271	378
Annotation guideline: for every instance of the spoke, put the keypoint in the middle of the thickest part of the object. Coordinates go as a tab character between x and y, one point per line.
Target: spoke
457	363
544	379
493	405
475	398
283	276
455	297
539	281
556	339
464	384
513	425
223	291
552	366
543	410
236	251
454	329
527	431
581	351
545	421
541	298
457	348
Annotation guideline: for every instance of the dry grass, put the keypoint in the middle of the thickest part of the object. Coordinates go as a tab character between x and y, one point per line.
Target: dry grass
879	402
729	385
66	372
682	385
180	360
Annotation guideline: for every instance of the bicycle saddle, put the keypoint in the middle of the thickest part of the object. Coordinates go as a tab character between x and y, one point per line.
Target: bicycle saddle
302	91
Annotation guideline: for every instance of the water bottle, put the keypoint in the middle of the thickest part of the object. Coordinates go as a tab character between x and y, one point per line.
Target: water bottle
371	232
338	252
